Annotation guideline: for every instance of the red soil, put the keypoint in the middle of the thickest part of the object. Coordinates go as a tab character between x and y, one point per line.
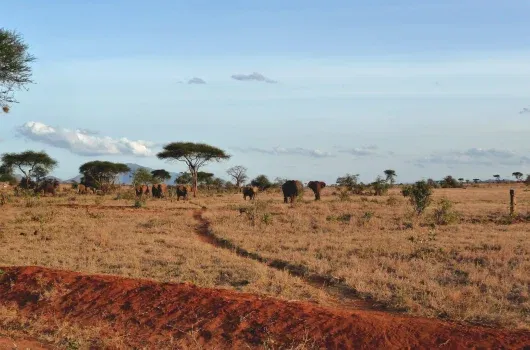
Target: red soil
150	313
10	343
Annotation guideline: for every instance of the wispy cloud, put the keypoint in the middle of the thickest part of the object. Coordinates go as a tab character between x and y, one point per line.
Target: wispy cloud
254	76
525	111
363	151
473	156
277	151
83	142
196	80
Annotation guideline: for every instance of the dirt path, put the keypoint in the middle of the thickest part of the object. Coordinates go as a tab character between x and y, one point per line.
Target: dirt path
149	314
341	295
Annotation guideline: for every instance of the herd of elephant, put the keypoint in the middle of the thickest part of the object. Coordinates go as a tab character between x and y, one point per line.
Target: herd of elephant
291	190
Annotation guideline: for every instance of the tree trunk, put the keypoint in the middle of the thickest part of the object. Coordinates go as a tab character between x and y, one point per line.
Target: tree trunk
194	181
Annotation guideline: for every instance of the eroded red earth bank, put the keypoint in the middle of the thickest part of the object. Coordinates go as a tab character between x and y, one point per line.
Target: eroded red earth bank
148	314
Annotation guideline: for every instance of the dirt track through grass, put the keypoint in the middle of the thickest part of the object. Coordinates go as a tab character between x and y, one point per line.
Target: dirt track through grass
342	295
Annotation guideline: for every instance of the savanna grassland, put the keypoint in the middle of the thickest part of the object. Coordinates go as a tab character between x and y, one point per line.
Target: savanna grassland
466	261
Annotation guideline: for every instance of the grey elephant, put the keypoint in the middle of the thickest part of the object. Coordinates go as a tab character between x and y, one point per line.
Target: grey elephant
317	187
250	192
292	189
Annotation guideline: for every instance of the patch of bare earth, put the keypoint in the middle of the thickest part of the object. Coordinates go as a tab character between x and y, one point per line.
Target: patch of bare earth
142	313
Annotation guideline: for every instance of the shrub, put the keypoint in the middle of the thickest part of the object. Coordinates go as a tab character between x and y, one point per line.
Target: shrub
262	182
450	182
444	213
380	186
419	195
344	196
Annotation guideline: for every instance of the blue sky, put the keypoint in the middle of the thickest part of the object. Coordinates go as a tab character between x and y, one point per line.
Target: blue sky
425	88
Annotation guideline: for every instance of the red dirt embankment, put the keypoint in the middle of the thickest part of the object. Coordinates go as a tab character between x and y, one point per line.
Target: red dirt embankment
149	313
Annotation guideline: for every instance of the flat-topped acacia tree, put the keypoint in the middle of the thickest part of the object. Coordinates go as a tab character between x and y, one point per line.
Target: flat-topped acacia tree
30	163
195	155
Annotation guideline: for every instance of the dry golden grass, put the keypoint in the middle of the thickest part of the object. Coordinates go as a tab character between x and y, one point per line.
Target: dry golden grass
157	242
474	270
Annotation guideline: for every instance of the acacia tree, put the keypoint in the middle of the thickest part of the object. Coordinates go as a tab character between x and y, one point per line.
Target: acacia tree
390	176
99	173
195	155
497	177
183	178
518	175
262	182
15	71
30	163
142	176
239	174
160	175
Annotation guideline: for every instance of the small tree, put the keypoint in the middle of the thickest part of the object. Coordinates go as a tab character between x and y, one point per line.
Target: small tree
183	178
390	176
30	163
476	181
349	181
160	175
262	182
142	176
101	173
239	174
195	155
497	177
450	182
204	178
419	195
15	71
518	175
380	186
6	175
527	181
461	179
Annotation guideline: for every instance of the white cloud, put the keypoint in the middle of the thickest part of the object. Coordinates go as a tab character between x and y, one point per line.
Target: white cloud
315	153
254	76
363	151
84	142
474	156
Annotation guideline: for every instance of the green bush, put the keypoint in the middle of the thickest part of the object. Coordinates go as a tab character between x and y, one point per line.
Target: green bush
419	195
444	213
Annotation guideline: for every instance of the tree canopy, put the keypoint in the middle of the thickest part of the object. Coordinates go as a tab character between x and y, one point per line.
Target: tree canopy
29	163
142	176
195	155
161	175
262	182
390	176
98	173
239	174
15	71
518	175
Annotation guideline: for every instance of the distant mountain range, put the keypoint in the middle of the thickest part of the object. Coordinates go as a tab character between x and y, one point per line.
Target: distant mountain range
126	178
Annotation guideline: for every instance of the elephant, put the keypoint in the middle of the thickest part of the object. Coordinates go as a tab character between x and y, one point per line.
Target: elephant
292	189
47	186
316	186
142	190
82	189
159	190
250	192
183	191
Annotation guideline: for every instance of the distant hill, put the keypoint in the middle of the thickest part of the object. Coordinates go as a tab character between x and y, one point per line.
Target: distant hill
126	178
